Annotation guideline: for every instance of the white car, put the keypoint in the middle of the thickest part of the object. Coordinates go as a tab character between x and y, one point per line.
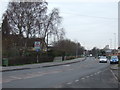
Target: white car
102	59
90	55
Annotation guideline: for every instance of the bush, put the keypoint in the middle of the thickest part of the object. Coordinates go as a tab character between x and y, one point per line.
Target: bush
70	57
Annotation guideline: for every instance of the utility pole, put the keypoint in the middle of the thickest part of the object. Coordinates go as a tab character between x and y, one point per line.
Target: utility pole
76	50
110	43
47	42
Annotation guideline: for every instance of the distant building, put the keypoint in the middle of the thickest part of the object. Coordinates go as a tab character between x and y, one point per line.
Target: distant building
107	50
106	47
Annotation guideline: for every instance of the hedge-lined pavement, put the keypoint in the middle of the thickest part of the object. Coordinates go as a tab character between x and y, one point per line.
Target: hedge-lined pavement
40	65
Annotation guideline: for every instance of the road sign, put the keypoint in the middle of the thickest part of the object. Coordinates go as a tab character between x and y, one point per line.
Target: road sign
37	46
37	50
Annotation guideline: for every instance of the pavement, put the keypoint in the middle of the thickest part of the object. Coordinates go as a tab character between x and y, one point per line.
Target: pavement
40	65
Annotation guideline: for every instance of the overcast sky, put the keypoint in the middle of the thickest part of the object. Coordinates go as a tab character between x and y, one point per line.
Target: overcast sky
90	22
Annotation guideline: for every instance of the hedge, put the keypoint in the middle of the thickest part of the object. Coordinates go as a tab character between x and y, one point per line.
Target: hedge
28	60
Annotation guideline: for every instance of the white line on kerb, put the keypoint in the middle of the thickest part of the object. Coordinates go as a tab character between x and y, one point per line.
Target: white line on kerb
114	75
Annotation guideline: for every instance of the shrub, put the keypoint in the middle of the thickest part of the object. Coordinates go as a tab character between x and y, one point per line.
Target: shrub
70	57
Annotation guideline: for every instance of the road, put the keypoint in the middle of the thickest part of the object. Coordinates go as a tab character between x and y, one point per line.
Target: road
86	74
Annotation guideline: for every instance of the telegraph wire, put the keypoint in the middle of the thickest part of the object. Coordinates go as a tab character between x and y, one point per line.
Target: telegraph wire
89	16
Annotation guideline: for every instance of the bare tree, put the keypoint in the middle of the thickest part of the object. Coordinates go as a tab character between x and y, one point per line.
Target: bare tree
52	25
30	20
23	16
16	16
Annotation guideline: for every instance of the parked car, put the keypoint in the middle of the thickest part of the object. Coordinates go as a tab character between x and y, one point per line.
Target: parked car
102	59
90	55
114	60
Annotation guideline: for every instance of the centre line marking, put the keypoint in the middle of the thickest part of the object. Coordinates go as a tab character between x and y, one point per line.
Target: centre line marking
91	75
95	73
76	80
82	78
87	76
69	83
98	72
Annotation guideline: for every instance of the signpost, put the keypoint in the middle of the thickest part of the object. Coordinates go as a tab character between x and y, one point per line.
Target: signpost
37	48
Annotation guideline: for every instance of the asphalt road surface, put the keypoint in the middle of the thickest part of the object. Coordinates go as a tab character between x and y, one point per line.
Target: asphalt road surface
86	74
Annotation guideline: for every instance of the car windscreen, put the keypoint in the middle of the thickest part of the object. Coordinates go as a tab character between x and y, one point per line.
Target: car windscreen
102	57
114	57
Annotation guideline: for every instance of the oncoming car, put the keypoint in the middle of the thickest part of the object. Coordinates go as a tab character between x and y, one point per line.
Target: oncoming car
114	59
102	59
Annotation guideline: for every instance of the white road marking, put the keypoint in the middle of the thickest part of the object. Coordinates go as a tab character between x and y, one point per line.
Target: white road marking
15	77
95	73
87	76
114	75
66	65
91	75
76	80
82	78
98	72
69	83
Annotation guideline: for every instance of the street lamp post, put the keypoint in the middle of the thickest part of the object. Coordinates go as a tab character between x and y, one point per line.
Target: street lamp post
77	50
110	43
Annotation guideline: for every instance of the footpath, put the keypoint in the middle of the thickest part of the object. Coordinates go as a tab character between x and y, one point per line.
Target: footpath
40	65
